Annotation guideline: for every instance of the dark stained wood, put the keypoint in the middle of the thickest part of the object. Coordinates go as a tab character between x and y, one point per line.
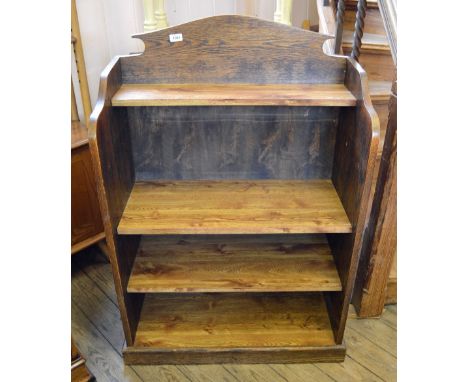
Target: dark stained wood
86	221
108	140
233	142
233	49
340	13
379	242
376	283
144	356
232	94
355	153
284	263
287	162
358	29
233	207
231	328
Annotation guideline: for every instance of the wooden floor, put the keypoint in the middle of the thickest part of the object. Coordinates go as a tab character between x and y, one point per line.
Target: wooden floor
97	331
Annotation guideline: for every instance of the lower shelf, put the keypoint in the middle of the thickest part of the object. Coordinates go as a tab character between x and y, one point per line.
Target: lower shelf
234	263
234	327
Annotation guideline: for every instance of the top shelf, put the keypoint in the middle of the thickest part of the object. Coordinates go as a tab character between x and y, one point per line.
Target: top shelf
233	95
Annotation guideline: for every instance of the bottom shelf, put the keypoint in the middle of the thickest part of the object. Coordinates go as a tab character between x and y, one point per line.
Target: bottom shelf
234	327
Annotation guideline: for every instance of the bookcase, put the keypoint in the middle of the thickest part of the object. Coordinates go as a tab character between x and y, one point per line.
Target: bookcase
233	168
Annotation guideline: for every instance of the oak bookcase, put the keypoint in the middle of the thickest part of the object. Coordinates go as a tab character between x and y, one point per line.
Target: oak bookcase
233	171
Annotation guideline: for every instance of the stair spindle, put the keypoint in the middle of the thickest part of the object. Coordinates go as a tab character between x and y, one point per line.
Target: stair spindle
359	29
340	12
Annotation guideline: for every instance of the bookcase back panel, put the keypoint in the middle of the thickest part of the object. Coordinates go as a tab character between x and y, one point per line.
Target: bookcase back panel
233	142
233	49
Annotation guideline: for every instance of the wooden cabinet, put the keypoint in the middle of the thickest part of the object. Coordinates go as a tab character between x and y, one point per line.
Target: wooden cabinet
86	221
79	371
234	173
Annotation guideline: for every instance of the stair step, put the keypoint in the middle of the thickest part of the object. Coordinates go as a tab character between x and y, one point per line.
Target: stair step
380	91
352	4
370	42
372	23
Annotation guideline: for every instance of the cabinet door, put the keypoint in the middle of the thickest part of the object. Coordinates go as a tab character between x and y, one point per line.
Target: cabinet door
86	219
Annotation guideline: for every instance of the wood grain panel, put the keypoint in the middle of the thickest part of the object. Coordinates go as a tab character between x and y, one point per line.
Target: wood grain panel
233	207
234	264
233	142
355	153
379	241
86	221
111	152
157	356
207	328
233	320
233	49
232	94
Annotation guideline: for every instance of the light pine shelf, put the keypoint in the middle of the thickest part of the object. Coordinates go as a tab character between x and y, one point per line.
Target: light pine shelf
193	326
234	264
233	94
234	207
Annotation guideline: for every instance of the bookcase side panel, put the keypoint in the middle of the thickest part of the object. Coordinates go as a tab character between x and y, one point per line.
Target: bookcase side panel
110	145
355	152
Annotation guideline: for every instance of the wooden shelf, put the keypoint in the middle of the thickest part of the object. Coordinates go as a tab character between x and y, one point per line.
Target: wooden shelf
232	94
234	207
234	264
200	324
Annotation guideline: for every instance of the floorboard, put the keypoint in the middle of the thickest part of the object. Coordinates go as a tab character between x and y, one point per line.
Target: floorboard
160	373
370	355
206	373
96	328
255	373
349	371
98	308
389	317
101	358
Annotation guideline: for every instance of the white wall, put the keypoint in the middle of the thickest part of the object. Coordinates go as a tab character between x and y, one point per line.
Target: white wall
107	26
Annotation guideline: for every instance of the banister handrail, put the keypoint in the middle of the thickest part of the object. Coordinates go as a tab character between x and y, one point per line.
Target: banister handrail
388	10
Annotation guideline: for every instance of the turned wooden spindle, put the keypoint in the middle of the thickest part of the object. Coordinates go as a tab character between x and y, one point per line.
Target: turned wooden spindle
340	12
358	29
